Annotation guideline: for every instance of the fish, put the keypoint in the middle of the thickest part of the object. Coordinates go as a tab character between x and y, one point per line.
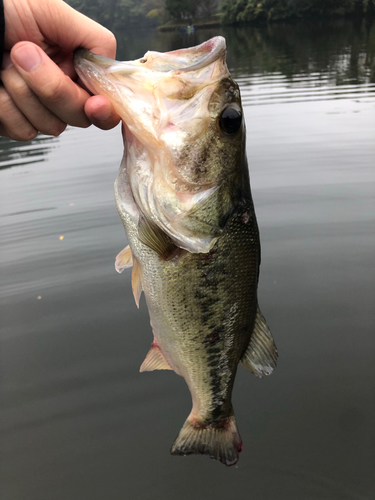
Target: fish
183	195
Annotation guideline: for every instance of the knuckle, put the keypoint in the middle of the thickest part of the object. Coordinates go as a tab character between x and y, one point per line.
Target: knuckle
55	128
112	42
79	119
24	135
58	129
20	90
14	123
53	91
5	99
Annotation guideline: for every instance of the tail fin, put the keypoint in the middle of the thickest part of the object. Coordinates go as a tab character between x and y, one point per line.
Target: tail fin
220	441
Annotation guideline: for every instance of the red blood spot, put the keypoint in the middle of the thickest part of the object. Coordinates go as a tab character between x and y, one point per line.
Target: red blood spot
245	218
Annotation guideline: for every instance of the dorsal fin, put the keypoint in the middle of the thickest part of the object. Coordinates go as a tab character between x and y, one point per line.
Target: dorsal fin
261	355
154	360
124	259
155	238
136	281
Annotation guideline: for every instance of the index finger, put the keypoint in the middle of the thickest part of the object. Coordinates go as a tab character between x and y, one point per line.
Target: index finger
69	29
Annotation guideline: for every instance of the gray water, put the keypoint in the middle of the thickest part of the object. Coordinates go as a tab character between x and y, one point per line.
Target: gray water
78	421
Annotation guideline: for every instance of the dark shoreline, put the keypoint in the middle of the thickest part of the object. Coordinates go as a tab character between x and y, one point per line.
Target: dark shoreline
262	22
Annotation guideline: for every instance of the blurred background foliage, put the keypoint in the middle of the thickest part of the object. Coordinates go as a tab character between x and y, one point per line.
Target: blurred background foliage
240	11
117	14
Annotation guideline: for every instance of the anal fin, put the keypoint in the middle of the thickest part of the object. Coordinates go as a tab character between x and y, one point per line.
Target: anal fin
154	360
124	259
261	355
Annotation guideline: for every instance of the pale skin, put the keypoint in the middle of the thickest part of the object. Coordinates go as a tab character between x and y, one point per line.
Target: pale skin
41	91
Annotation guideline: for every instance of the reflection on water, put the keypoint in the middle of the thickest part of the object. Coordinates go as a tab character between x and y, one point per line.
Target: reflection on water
78	420
344	51
291	63
13	154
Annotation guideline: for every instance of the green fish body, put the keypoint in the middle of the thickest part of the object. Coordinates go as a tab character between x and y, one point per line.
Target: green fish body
183	194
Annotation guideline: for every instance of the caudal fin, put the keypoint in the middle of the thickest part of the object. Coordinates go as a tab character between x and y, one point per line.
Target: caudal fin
220	441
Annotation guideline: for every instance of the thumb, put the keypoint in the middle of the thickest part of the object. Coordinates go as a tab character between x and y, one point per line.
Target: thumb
55	90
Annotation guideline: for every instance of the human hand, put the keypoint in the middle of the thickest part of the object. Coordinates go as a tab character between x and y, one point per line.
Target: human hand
39	91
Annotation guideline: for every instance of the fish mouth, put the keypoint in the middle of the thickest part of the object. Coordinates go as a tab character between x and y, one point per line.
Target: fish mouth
158	90
169	104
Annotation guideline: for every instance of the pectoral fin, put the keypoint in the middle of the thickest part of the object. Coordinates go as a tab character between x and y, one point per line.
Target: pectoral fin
155	238
124	259
261	354
154	360
136	281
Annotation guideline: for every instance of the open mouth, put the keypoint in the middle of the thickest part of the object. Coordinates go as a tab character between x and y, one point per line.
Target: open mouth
159	89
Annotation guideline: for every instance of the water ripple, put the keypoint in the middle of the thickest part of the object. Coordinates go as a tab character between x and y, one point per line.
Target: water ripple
277	88
13	153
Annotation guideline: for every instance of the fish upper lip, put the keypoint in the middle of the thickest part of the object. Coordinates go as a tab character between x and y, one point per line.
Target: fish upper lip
211	50
106	63
217	49
84	54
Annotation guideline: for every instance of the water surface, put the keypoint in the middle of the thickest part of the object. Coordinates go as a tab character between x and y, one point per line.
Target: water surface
78	420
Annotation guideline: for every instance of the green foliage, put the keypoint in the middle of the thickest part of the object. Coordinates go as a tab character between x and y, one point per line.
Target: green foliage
115	14
237	11
121	13
134	13
182	9
369	7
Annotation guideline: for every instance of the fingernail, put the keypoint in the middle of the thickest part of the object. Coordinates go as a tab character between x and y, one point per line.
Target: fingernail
27	57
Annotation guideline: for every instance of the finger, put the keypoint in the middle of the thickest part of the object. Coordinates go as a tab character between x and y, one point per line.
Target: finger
41	118
100	112
69	29
50	84
13	123
50	23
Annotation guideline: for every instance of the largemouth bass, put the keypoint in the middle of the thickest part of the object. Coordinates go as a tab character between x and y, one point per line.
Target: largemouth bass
183	194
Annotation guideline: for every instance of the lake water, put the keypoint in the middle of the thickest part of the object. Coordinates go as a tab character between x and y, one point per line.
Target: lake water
78	421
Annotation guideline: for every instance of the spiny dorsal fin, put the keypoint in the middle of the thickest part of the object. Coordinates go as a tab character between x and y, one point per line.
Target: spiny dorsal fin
154	360
155	238
124	259
136	281
261	355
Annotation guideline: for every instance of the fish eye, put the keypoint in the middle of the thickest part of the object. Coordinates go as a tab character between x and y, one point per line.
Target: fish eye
231	120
